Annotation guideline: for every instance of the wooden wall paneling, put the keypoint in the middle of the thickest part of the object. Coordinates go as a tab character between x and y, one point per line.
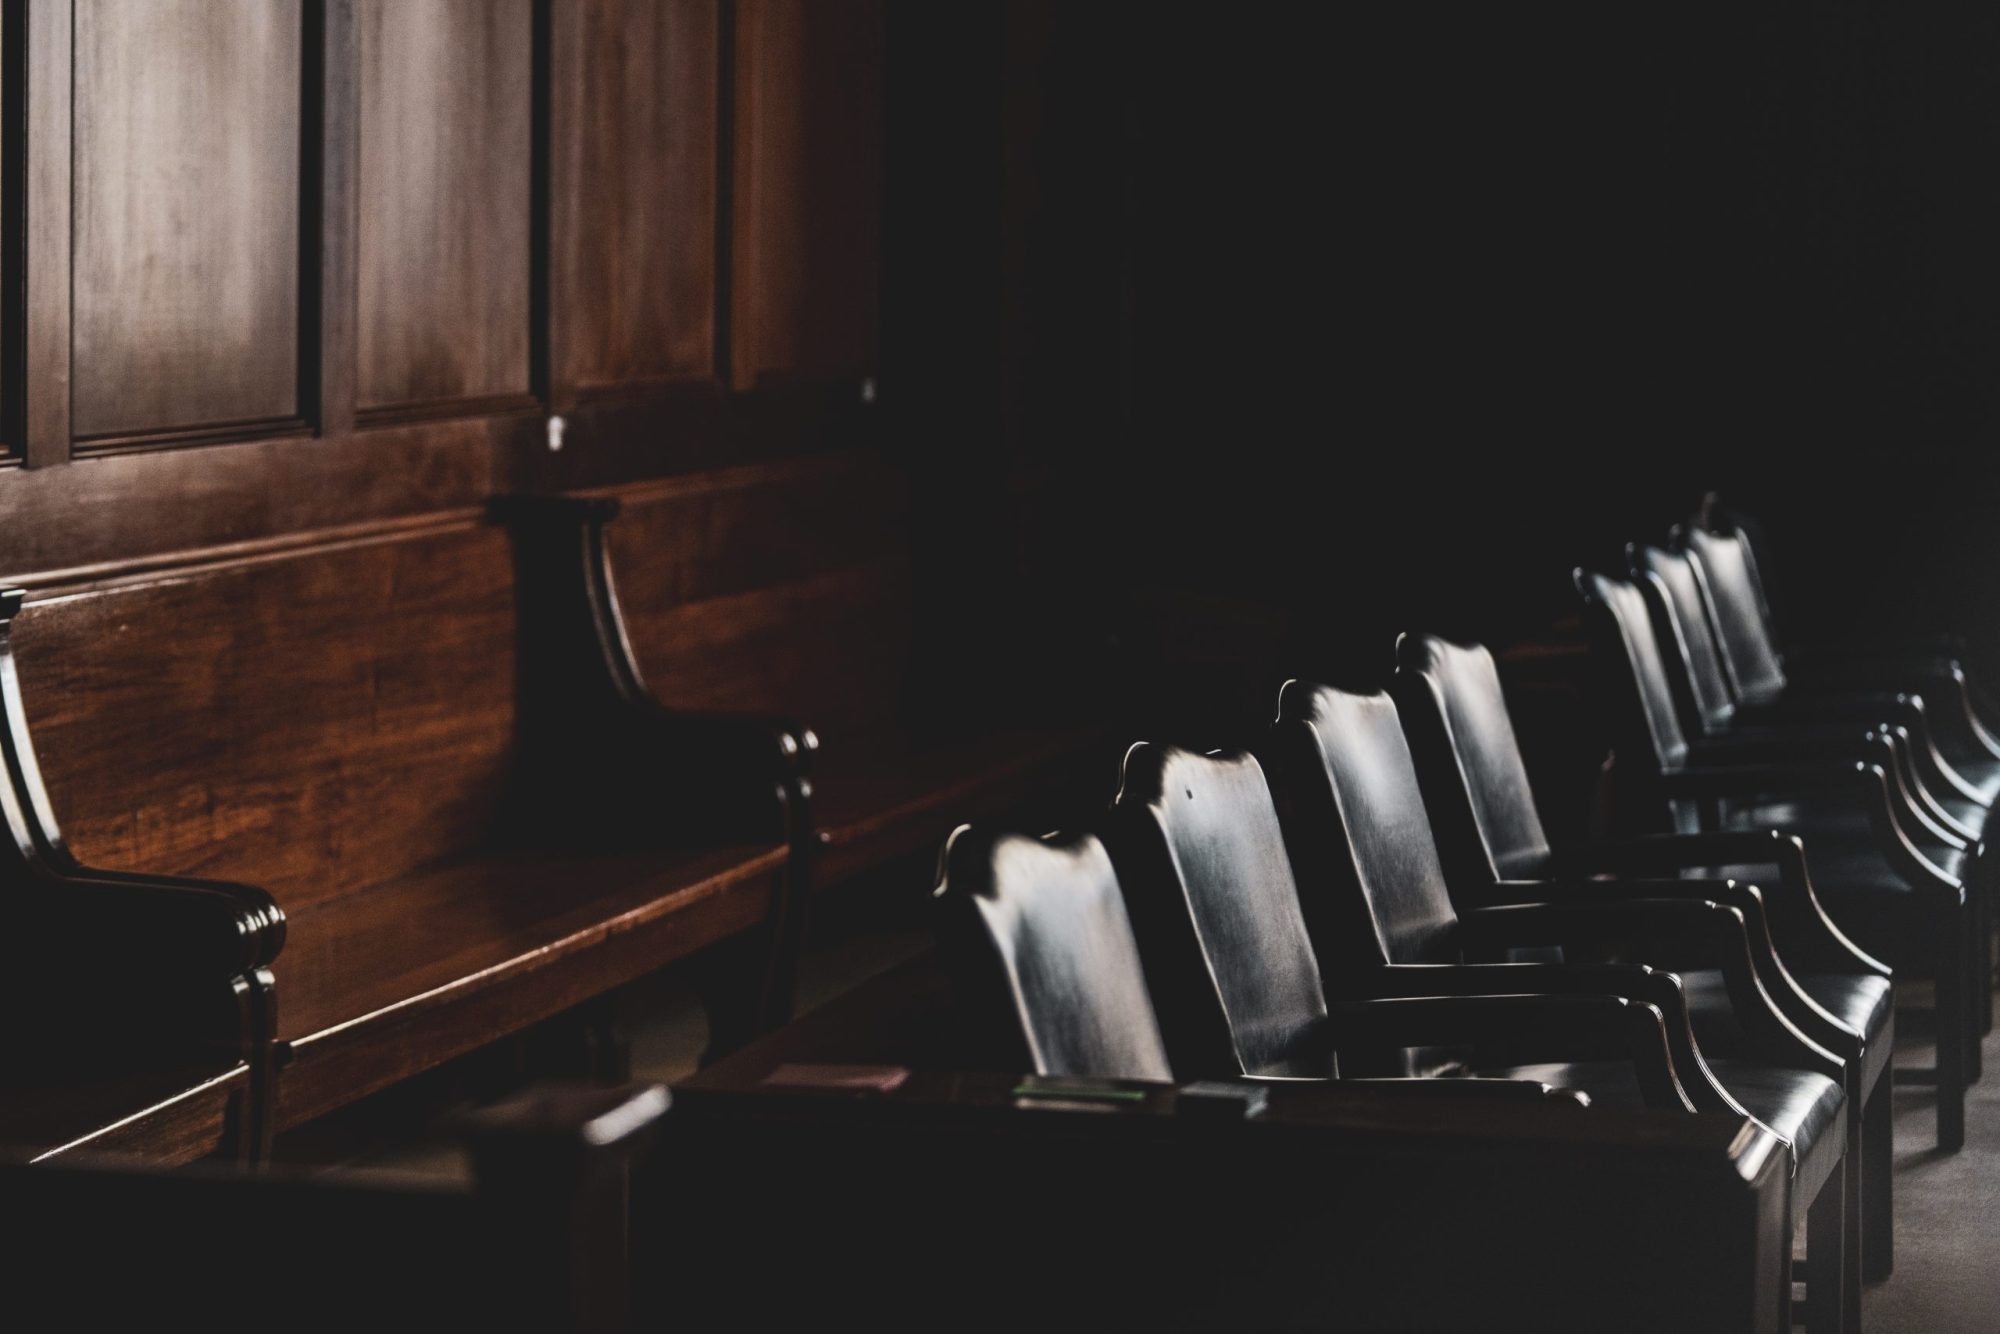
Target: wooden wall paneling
807	161
634	129
330	293
446	157
186	197
38	123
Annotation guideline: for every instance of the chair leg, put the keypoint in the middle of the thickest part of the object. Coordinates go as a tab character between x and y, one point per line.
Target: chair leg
1977	993
1951	1026
1878	1200
1852	1211
1826	1257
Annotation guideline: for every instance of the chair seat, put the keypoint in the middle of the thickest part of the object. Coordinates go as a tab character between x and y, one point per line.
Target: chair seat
1862	1001
1982	775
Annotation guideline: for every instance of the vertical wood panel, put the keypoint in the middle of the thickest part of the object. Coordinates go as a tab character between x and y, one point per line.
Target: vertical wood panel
634	168
186	195
43	330
334	239
446	111
808	168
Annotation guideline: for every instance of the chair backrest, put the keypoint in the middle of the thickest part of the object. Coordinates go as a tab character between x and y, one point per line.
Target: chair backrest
1671	581
1631	674
1202	857
1756	672
1716	517
1475	781
1041	928
1361	837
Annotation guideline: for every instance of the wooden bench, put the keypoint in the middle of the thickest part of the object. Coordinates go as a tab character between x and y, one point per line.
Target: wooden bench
791	588
423	745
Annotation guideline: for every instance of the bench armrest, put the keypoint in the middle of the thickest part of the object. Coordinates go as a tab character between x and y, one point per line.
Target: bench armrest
155	924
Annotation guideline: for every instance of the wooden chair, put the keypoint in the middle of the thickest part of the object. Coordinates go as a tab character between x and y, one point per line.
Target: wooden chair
1356	805
428	749
1489	832
1904	900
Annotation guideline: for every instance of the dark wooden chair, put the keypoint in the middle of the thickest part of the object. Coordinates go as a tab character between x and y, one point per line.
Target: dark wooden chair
1904	901
535	1240
1357	817
1946	769
1489	831
788	588
1038	931
1205	867
1047	965
1937	663
428	750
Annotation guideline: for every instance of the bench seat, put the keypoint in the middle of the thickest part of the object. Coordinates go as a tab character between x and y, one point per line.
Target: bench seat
517	938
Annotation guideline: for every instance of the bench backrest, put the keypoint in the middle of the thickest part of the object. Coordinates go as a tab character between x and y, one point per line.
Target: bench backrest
783	589
305	720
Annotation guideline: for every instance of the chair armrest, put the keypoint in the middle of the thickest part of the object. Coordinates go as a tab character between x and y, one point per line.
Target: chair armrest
1569	1027
1806	934
1691	931
1766	778
1788	745
1779	989
1632	981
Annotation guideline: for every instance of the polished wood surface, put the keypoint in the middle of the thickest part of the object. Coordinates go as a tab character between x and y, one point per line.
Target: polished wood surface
463	846
37	327
791	590
186	222
348	719
808	167
444	121
633	244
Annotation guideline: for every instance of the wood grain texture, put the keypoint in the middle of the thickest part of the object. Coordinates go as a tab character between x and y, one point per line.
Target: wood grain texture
375	1001
186	190
634	166
334	240
446	113
808	187
43	331
788	594
351	717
